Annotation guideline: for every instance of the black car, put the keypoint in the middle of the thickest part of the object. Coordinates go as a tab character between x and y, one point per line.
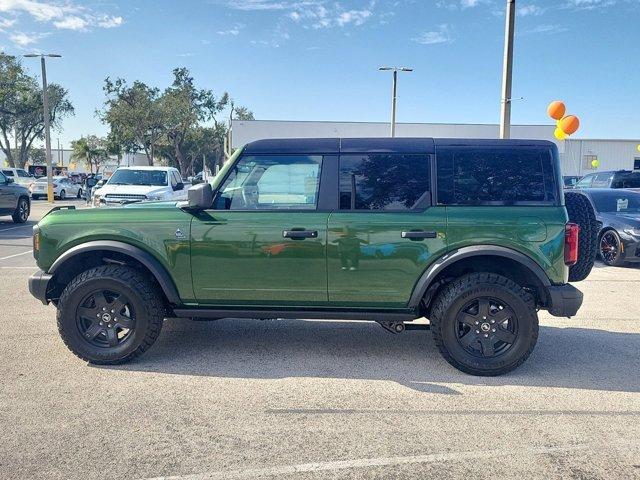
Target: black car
14	199
610	179
619	212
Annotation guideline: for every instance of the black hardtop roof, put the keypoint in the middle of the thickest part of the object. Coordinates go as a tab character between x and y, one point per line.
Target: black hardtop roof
377	145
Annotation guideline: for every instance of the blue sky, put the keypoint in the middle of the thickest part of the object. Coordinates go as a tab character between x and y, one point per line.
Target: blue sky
318	59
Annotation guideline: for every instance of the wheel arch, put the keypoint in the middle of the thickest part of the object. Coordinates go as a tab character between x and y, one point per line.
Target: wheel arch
86	255
489	258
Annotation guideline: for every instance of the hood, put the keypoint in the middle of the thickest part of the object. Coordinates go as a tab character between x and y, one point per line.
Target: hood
148	190
152	204
628	219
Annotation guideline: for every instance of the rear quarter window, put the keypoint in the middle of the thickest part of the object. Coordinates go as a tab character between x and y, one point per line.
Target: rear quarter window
496	176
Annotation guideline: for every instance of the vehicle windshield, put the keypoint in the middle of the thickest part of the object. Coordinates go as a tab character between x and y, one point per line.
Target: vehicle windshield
139	177
616	201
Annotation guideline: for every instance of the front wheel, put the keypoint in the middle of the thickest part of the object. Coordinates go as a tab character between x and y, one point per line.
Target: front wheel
79	193
62	195
484	324
110	314
610	248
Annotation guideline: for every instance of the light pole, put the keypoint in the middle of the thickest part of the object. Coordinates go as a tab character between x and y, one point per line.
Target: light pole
47	133
507	71
394	92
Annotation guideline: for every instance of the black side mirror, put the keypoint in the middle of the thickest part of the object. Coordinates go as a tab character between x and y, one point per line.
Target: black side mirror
200	197
10	180
196	181
179	186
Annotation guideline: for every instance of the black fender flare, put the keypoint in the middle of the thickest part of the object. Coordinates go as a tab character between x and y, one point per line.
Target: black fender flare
149	261
454	256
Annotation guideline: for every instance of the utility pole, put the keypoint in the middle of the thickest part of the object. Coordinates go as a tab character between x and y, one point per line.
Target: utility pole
394	93
47	126
507	71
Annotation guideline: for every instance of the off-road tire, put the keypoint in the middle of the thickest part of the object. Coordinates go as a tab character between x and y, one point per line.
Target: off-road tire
581	212
21	213
144	296
452	299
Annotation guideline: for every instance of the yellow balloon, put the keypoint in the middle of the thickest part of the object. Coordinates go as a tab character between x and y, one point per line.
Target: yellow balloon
595	163
559	134
638	147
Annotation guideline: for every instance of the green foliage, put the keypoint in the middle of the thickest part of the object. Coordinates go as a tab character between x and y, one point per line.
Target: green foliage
21	110
91	150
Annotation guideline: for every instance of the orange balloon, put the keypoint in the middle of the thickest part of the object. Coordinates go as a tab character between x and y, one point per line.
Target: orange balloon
556	110
569	124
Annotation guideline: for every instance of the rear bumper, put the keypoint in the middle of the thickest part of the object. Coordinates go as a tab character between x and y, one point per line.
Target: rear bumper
38	283
564	300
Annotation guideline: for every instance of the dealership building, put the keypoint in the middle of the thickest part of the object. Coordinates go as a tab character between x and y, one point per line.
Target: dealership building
576	154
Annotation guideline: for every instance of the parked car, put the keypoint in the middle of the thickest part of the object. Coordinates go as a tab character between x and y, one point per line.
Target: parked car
619	236
63	188
14	199
135	184
473	235
570	181
611	179
19	175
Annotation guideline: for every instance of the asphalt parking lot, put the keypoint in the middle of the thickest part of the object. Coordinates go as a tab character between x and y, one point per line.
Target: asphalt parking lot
308	399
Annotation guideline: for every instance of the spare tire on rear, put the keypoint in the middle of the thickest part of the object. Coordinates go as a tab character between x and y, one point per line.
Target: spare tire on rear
581	212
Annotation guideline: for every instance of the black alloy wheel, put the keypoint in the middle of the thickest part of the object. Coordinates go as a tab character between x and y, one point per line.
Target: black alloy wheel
610	248
21	214
486	327
105	319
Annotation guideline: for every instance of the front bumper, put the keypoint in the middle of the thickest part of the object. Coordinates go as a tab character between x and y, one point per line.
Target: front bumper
38	284
564	300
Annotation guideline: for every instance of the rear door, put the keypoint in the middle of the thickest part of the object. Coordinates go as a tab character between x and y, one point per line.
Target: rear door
385	231
263	242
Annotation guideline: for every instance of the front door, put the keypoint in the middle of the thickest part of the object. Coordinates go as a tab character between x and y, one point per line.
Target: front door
7	199
264	241
385	232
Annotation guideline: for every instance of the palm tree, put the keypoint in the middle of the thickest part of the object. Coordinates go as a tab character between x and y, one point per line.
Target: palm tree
89	150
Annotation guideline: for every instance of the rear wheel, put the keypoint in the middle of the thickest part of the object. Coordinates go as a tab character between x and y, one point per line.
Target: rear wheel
62	195
21	213
484	324
110	314
79	193
581	212
610	247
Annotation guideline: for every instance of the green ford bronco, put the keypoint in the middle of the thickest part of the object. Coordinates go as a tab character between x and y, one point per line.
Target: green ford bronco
474	235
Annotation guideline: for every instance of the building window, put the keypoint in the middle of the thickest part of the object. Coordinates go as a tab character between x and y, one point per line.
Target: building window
636	163
586	162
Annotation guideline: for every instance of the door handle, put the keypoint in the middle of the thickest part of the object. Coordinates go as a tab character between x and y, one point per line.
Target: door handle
418	234
300	234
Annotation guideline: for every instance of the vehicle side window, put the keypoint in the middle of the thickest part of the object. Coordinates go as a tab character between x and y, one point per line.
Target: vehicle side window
173	178
585	182
272	182
495	176
177	177
626	180
3	179
8	173
602	180
22	173
383	181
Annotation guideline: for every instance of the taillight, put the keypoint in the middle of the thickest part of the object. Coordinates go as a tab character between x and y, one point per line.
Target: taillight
571	232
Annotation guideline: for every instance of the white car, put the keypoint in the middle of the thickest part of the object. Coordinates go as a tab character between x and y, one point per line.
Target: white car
19	175
63	188
136	184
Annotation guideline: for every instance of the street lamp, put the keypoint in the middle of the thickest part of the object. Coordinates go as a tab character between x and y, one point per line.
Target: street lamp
507	70
47	133
395	71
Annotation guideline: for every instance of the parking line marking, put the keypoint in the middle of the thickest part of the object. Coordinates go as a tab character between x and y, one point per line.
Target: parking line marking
367	463
13	228
16	255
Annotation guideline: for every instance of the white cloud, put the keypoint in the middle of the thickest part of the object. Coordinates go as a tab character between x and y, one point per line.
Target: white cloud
544	29
441	35
529	10
468	3
25	39
459	4
357	17
67	15
6	23
233	31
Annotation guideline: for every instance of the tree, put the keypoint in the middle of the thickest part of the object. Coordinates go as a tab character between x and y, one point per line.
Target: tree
91	150
185	107
135	115
21	110
38	156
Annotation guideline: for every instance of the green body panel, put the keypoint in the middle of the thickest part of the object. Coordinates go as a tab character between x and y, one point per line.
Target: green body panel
370	265
241	258
535	231
150	226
